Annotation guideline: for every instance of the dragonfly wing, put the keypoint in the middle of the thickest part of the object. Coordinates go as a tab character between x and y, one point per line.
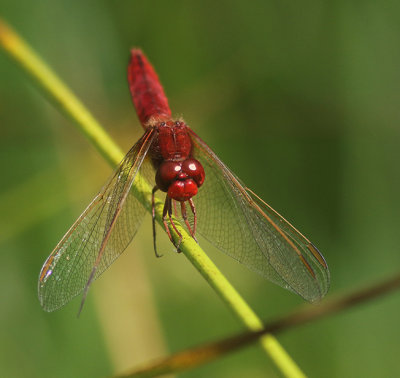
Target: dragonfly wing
112	219
240	224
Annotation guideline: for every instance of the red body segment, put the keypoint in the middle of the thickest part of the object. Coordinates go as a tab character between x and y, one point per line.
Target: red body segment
147	93
173	142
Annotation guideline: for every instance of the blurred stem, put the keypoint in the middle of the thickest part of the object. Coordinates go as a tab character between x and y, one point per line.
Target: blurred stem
190	358
53	86
69	104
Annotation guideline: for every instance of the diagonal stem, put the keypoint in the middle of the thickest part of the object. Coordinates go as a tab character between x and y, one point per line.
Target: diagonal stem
52	86
198	355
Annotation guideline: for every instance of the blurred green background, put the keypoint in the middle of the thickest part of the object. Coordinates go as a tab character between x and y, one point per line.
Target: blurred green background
299	99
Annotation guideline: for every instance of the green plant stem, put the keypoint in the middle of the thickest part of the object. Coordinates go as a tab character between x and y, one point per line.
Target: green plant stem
53	86
69	104
198	355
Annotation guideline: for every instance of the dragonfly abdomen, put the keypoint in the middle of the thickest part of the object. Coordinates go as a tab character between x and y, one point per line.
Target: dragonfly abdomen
147	93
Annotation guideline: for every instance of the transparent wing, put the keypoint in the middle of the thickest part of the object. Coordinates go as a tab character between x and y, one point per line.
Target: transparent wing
240	224
102	233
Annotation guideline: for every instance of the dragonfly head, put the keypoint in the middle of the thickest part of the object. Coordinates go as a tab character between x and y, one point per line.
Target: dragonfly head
180	179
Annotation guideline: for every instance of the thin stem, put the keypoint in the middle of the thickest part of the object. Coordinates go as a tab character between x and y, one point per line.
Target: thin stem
190	358
37	69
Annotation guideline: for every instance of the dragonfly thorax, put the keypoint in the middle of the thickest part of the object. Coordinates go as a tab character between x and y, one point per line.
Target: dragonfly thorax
173	141
180	179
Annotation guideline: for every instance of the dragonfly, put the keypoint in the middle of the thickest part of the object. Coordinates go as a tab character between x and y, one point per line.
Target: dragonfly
200	191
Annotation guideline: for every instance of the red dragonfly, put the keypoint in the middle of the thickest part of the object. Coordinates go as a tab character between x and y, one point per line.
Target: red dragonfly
222	209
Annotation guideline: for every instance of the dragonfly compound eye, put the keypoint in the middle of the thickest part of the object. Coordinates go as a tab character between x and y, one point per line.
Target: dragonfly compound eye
167	172
195	170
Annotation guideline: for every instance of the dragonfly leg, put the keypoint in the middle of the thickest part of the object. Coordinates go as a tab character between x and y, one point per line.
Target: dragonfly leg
175	212
185	218
171	221
153	217
193	207
168	211
167	204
